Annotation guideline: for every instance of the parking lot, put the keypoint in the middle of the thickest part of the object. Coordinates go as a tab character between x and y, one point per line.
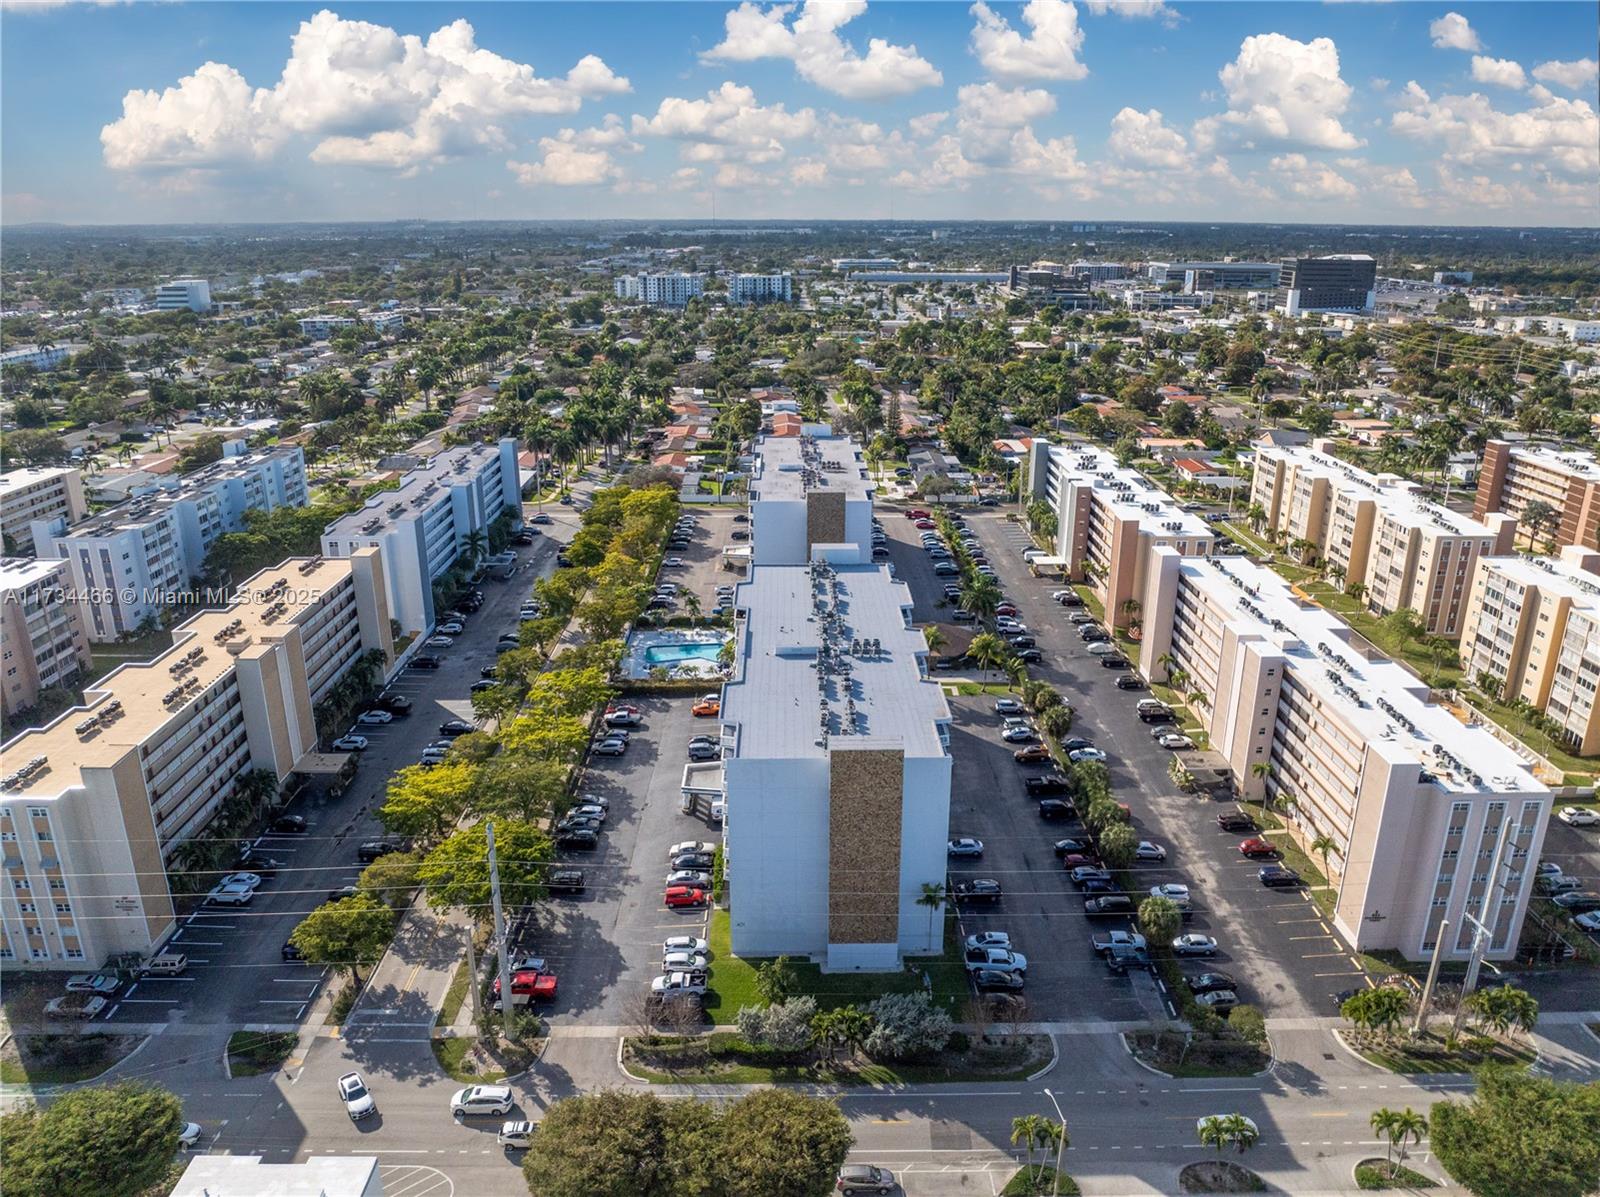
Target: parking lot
702	570
236	972
1274	941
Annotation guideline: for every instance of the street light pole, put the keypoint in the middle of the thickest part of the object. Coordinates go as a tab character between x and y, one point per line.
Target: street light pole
499	933
1061	1144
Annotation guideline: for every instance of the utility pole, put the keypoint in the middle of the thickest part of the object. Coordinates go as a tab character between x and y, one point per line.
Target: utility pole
1433	979
472	974
499	932
1483	931
1061	1143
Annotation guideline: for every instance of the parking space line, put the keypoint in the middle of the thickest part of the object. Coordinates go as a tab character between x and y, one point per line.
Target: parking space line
198	943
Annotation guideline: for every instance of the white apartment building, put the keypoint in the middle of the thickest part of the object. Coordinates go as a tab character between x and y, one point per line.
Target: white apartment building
1532	632
42	638
322	328
661	290
809	490
761	288
1109	518
49	494
37	357
129	562
94	805
1413	799
1378	531
424	526
836	768
191	294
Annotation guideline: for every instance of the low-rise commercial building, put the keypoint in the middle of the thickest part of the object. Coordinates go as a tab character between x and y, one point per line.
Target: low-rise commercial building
42	638
184	294
52	494
806	491
1532	634
425	524
843	264
1554	493
1216	276
94	806
1377	531
1050	282
134	560
1413	799
836	767
1335	283
761	288
1108	520
250	1176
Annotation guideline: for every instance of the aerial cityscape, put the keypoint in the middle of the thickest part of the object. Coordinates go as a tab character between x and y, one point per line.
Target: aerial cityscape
765	600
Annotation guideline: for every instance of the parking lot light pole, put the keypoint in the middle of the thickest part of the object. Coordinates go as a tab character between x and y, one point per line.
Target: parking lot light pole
1061	1144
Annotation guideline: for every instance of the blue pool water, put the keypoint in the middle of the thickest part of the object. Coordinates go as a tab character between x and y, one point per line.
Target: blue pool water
669	654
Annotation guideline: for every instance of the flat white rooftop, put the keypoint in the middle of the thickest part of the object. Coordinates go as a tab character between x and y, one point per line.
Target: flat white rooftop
1401	500
17	479
1551	575
1126	491
417	492
17	572
1573	461
827	654
142	510
1383	702
248	1176
789	467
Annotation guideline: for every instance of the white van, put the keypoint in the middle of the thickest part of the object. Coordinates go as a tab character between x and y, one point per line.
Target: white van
166	964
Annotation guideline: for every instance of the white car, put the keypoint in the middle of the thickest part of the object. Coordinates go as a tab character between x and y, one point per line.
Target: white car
999	959
1017	735
1102	648
672	563
453	627
1578	816
1194	944
678	985
1007	706
1589	922
515	1134
1079	755
1173	890
231	895
1175	741
610	747
684	962
101	983
1009	626
357	1098
481	1099
189	1136
989	939
350	743
374	718
685	943
1149	851
247	880
441	642
679	849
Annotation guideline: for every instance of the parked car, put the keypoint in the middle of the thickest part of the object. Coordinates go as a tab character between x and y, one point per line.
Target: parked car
451	627
864	1178
709	705
1173	891
683	896
610	746
1219	1000
978	889
1235	820
988	939
1210	982
1577	902
1108	904
565	882
1578	816
1008	706
1130	681
232	895
74	1006
101	983
1073	847
426	661
395	704
1278	877
582	838
1031	655
1052	809
374	718
1257	848
1081	755
1176	741
248	880
1018	734
1194	944
456	727
476	1100
349	743
994	980
1149	851
1083	874
964	848
372	850
1049	783
704	752
291	954
1033	754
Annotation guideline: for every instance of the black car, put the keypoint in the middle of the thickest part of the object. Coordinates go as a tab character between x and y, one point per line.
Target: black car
373	849
1276	876
1096	886
1084	874
1114	663
480	687
1070	600
395	704
292	954
290	824
994	980
1076	743
1130	681
981	889
489	671
1050	783
1235	820
1211	982
701	861
1071	847
1031	655
524	537
1021	641
741	518
343	892
1108	904
260	865
426	661
455	727
586	838
739	534
577	823
1093	635
565	562
565	881
1154	715
1055	809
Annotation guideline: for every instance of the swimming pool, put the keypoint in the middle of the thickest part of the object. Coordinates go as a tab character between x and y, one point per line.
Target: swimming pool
671	654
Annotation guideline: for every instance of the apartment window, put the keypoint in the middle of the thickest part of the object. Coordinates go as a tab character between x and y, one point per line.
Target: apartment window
38	812
36	952
58	883
63	907
21	883
42	836
27	908
7	954
8	837
74	953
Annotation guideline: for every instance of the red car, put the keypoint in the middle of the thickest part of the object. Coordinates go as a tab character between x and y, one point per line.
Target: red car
1075	860
926	525
1033	754
917	514
537	985
1257	847
1005	609
679	896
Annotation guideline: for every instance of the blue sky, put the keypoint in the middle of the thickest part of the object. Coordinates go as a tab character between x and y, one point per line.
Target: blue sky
1327	112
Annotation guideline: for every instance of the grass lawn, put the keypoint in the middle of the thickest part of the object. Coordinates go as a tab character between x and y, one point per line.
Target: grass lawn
1427	1052
454	996
733	979
1180	1055
972	689
1241	533
107	657
1091	601
61	1059
473	1063
251	1053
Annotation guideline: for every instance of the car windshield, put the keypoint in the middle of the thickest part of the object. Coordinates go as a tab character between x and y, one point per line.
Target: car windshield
354	1089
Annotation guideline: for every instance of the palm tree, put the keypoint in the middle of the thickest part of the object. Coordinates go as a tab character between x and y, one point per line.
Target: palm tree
1225	1130
1025	1132
1502	1008
476	543
988	650
935	638
1536	515
1324	846
1398	1126
691	604
1256	514
981	596
932	898
1166	660
1130	611
1053	1137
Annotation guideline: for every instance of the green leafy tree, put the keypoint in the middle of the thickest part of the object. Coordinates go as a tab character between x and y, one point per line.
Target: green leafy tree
780	1143
392	878
456	873
776	980
347	934
843	1026
616	1144
1160	920
425	802
115	1140
1520	1135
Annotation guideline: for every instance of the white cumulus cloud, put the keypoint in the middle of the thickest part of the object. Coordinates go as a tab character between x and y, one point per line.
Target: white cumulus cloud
1502	72
1050	51
1584	72
820	55
1452	32
1145	139
1555	133
1315	181
1281	92
727	124
363	93
1131	9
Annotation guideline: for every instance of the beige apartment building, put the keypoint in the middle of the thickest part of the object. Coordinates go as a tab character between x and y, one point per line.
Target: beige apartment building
43	641
93	806
50	493
1109	518
1379	532
1514	477
1413	799
1532	632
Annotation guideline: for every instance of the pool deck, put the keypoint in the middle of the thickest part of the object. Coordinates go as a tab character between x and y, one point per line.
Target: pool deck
636	664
